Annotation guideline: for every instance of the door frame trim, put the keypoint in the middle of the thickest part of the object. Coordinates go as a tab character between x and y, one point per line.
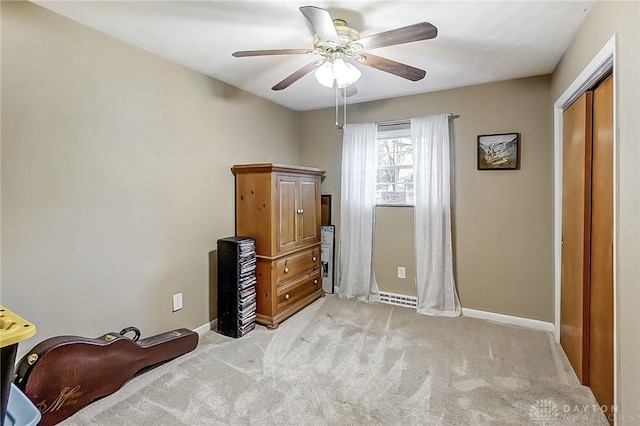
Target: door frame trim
602	62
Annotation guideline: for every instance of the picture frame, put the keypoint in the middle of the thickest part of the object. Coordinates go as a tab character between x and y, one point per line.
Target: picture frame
327	257
499	151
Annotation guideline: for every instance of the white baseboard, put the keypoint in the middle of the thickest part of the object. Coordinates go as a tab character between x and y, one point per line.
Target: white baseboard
508	319
472	313
212	325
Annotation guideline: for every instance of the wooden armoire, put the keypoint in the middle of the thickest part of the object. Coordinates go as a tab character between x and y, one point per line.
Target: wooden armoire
279	206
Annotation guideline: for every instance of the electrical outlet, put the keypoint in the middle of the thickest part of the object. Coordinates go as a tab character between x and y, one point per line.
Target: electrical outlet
401	272
177	302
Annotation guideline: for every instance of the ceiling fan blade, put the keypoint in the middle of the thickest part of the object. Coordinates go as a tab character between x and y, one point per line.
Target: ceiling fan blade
297	75
321	22
415	32
392	67
244	53
351	90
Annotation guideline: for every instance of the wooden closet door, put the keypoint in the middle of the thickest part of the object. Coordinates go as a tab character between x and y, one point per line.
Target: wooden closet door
576	223
601	300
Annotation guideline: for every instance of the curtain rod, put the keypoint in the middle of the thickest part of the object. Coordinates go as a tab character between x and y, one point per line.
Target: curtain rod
400	121
407	120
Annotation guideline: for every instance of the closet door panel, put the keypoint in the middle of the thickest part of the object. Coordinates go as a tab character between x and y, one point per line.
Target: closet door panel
601	301
576	221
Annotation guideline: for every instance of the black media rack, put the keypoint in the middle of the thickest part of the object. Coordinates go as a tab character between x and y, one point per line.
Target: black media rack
236	286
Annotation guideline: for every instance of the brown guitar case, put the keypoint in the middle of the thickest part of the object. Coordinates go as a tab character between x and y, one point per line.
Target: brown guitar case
63	374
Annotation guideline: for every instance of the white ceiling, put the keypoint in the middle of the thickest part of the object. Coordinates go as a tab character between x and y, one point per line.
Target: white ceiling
477	42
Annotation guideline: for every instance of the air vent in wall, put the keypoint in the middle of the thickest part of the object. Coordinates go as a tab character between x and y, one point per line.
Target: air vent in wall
399	299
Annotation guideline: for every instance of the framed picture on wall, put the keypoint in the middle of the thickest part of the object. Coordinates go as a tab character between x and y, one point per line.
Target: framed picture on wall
500	151
327	256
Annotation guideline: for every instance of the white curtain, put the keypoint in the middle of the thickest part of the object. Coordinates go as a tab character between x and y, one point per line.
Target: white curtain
357	203
432	216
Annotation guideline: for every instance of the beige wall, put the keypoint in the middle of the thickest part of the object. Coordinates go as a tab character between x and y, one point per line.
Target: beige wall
503	220
116	177
394	247
604	20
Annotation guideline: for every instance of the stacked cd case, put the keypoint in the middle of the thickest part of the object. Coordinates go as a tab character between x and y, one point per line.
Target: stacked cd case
236	286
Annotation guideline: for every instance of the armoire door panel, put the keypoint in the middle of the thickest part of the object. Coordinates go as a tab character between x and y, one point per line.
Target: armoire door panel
576	207
309	193
601	300
287	208
253	205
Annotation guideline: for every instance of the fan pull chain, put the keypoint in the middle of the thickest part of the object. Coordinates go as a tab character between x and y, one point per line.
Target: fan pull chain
344	107
337	124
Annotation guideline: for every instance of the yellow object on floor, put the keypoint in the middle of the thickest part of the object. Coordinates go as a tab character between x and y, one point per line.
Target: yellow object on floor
13	328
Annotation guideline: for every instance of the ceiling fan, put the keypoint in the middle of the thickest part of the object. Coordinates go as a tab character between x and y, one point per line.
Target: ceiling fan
337	44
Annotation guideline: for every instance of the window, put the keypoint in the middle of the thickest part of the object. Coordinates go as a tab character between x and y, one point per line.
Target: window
394	184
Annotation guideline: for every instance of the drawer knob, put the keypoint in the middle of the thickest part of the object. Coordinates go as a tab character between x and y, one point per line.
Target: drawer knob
315	281
314	258
286	269
300	211
286	296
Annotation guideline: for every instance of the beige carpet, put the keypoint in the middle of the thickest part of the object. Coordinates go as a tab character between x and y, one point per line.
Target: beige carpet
342	362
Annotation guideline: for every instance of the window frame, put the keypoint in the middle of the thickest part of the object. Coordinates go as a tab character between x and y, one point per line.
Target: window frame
396	130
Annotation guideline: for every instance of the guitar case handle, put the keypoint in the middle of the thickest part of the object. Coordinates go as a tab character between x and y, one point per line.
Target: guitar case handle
129	330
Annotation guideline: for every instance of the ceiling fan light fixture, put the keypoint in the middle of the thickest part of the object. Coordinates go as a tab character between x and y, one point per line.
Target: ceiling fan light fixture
324	74
345	74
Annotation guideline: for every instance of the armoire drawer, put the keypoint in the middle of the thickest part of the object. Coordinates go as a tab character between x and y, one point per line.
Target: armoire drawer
297	289
297	263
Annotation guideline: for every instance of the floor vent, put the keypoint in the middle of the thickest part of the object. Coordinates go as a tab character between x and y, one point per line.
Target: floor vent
399	299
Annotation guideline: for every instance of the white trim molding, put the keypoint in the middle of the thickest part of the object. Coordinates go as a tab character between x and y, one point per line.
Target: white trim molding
212	325
508	319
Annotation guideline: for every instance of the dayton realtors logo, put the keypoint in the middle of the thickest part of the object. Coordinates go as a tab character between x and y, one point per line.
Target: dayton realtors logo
543	410
546	412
